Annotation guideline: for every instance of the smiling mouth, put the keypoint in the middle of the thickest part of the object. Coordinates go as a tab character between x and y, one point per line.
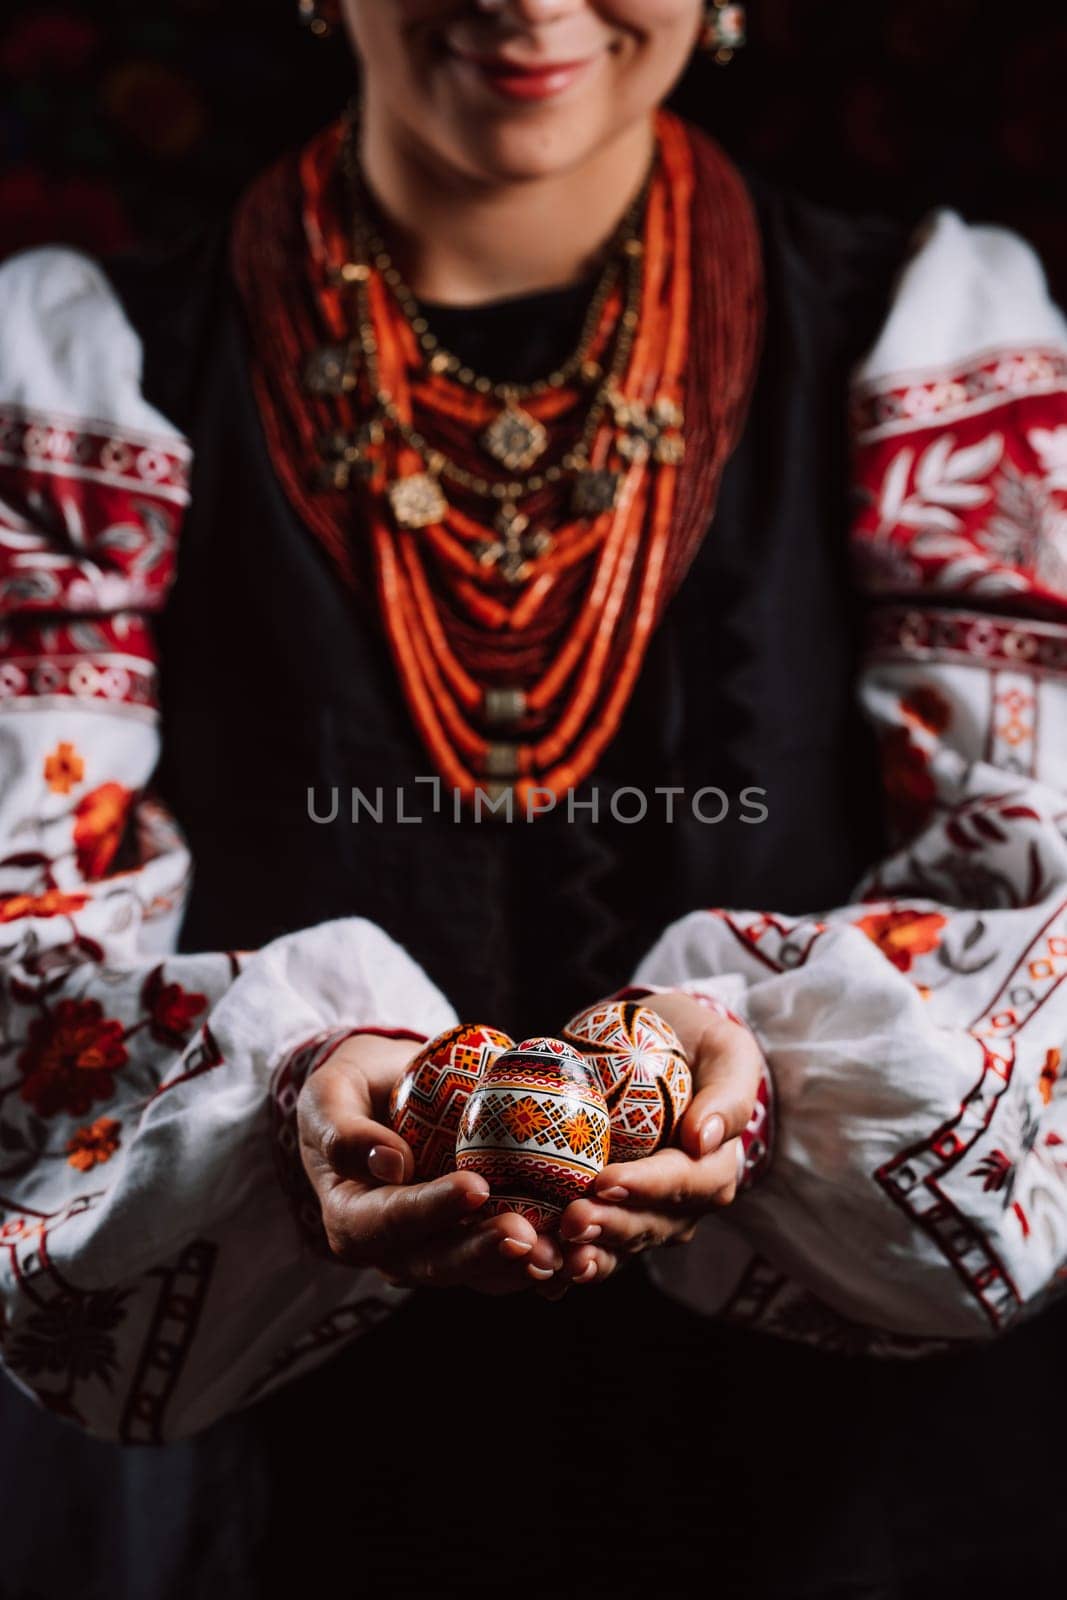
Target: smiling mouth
520	80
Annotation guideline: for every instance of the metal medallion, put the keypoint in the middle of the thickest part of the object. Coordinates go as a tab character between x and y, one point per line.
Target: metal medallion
515	439
330	370
418	501
595	492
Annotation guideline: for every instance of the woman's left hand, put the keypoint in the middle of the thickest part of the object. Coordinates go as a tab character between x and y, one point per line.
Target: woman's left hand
636	1205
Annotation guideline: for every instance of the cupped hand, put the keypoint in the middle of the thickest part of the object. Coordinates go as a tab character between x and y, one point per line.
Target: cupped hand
637	1205
375	1214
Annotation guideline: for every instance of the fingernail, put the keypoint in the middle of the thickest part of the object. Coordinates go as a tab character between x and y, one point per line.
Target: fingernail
385	1164
514	1249
542	1274
616	1192
590	1272
473	1198
712	1134
581	1236
593	1231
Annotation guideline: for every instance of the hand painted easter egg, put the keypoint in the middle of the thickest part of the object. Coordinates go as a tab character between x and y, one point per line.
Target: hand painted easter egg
536	1128
427	1102
642	1069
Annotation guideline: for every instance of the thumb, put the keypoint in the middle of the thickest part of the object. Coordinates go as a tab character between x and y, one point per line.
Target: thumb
727	1065
341	1140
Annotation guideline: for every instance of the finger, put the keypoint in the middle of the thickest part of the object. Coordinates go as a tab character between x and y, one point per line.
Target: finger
479	1257
373	1227
546	1259
581	1266
578	1223
727	1065
670	1181
629	1232
338	1137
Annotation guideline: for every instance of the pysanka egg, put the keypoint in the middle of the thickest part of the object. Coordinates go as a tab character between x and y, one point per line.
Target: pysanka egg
536	1128
642	1069
426	1104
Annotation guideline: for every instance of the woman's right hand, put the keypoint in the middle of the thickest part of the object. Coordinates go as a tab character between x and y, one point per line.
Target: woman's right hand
374	1215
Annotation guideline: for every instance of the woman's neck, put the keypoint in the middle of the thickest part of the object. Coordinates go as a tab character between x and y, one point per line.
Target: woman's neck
464	242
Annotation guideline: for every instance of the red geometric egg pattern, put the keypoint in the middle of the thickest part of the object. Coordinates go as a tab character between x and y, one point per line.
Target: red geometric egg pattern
426	1104
537	1130
642	1069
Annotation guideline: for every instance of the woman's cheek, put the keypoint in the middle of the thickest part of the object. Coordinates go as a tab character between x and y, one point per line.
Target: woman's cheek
648	14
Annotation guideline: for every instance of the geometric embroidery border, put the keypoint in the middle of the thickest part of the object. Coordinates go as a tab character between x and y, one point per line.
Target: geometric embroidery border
182	1292
909	402
345	1323
34	442
911	1178
903	633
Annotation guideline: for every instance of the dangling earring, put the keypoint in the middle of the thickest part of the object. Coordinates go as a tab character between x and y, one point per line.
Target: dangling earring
313	19
725	31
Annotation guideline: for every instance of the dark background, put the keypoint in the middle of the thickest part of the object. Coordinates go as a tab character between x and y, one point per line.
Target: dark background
130	120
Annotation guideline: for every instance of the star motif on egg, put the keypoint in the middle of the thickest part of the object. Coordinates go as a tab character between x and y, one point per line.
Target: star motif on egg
525	1119
579	1132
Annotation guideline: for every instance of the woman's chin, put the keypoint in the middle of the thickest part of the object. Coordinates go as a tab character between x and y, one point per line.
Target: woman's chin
520	135
510	149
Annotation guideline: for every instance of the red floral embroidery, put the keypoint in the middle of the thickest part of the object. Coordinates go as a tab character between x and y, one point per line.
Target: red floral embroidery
926	706
995	1171
1049	1073
172	1009
99	823
903	935
52	903
63	769
71	1058
92	1146
909	786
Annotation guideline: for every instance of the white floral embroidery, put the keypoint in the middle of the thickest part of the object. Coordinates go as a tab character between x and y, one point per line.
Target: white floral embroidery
1051	445
945	477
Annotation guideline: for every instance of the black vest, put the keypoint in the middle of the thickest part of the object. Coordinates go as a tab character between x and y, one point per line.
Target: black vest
276	683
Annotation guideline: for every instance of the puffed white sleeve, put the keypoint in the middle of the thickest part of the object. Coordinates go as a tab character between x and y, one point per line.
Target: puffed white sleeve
157	1269
917	1189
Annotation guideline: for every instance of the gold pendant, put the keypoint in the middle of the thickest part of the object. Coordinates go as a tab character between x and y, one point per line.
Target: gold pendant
349	456
645	432
418	501
330	370
515	439
511	553
595	492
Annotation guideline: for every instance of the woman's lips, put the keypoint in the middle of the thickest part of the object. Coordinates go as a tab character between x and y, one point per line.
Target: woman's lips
515	80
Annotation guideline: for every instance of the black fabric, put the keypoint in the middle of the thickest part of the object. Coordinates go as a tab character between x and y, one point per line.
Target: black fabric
613	1443
516	340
